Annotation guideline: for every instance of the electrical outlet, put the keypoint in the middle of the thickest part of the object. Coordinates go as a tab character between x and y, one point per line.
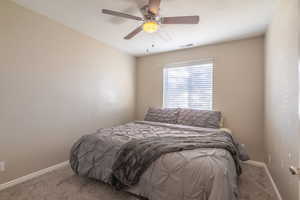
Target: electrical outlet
2	166
290	156
269	159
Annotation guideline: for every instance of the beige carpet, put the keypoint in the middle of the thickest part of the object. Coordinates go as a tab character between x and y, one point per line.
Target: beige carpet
62	184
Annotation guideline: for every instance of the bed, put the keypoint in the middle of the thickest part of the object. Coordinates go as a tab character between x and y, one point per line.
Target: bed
163	158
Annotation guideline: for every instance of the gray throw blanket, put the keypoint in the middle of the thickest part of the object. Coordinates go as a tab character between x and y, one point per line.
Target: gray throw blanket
134	157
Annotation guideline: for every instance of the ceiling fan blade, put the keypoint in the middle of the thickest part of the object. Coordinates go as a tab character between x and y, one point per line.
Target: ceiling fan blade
119	14
134	33
154	6
181	20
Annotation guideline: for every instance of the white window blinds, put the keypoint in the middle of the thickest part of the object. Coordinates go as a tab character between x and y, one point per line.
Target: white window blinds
189	85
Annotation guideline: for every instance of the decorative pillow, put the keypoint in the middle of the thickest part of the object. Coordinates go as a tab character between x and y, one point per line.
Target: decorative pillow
200	118
166	115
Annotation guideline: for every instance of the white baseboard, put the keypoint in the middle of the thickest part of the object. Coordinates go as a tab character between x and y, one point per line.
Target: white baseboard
256	163
263	165
33	175
66	163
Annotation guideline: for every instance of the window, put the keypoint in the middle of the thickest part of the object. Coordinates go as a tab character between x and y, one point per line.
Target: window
189	85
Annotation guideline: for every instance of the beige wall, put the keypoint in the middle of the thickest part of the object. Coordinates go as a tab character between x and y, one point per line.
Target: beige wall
281	97
55	85
239	73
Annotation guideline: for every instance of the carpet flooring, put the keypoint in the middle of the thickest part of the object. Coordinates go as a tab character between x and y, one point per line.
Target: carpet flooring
62	184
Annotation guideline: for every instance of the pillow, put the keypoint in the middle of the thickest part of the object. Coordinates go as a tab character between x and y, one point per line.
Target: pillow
166	115
200	118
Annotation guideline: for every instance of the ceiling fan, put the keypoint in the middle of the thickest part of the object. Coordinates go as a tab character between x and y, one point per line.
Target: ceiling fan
151	18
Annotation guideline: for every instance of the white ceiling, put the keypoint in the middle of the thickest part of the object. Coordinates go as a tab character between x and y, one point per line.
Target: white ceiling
220	20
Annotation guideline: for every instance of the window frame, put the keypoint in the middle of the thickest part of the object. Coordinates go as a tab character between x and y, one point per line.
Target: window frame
187	64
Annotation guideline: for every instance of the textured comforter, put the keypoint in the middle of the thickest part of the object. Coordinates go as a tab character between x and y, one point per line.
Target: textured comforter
203	172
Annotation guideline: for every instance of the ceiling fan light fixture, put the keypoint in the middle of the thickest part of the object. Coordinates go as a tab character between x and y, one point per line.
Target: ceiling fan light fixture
150	26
